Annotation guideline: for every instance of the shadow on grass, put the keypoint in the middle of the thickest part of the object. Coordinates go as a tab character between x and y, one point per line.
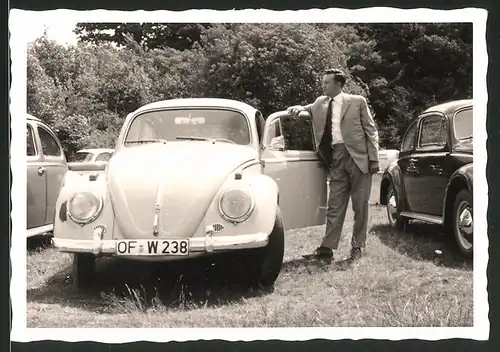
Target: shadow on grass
312	266
122	283
423	241
38	243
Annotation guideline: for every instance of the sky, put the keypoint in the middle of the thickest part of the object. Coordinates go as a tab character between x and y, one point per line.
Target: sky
61	30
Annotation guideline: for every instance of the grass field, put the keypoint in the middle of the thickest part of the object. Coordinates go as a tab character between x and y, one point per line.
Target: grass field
400	281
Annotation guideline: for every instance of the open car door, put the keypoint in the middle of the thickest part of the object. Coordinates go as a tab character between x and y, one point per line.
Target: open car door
289	157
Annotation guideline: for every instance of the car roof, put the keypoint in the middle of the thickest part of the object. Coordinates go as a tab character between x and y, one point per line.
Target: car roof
31	117
448	108
195	102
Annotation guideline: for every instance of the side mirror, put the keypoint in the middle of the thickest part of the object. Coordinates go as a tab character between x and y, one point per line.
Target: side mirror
277	143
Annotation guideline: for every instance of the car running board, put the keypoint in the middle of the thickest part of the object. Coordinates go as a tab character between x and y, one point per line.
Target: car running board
39	230
424	217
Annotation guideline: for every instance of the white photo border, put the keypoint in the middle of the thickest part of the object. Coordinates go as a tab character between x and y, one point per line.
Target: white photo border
18	46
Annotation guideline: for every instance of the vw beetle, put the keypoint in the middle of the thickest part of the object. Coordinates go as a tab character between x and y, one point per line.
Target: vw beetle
195	177
432	180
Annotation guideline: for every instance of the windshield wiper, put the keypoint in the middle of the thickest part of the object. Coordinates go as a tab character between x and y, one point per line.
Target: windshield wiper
142	141
193	138
213	140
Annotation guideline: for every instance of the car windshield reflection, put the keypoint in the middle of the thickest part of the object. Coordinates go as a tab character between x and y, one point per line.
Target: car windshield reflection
190	124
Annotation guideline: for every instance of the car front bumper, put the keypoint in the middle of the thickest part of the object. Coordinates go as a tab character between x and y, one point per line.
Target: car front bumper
197	245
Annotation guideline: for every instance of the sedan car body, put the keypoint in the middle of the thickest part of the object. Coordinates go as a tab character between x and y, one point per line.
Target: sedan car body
46	167
191	178
432	180
93	155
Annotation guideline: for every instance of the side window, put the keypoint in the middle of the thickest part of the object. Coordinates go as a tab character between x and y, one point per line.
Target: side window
463	124
298	133
409	139
30	141
432	132
49	144
274	129
103	157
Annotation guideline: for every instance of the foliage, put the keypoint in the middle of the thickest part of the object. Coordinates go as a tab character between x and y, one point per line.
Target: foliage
85	91
409	67
271	66
178	36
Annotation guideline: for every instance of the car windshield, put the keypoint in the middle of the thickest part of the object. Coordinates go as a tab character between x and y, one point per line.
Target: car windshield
82	157
463	124
189	124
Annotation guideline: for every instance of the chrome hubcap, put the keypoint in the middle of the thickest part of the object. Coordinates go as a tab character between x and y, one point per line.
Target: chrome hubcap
392	208
465	225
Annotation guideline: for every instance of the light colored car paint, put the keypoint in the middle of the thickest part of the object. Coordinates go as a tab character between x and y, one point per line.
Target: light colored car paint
175	187
386	157
46	168
95	155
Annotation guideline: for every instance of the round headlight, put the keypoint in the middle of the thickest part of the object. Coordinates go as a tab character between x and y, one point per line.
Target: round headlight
236	205
84	207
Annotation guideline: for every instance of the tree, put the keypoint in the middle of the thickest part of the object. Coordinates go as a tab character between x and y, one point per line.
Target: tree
180	36
409	67
272	66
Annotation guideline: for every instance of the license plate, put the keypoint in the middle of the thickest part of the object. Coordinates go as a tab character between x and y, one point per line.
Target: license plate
383	156
153	247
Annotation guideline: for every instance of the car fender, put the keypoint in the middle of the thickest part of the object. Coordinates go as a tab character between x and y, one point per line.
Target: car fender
264	191
392	175
461	178
75	182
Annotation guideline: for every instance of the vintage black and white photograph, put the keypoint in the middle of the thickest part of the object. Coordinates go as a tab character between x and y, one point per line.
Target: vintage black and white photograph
218	169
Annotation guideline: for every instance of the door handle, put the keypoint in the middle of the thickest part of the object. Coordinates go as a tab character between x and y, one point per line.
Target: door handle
41	170
437	169
412	170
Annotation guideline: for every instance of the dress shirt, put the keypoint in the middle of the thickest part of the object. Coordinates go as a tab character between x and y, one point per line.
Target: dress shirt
336	108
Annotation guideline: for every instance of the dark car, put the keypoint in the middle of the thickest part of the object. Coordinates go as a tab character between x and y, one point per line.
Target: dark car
432	178
45	166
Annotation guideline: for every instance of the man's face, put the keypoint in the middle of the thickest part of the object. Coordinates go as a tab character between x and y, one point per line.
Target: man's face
330	86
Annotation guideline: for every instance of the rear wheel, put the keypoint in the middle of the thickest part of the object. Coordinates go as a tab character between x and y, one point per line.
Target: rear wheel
393	214
463	225
83	270
265	263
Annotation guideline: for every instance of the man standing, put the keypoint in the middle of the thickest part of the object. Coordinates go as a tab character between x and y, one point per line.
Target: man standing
348	146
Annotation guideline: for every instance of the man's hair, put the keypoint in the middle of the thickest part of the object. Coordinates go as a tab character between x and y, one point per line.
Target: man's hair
338	75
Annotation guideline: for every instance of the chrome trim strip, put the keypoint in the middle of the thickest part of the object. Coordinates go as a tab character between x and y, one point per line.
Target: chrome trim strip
39	230
424	217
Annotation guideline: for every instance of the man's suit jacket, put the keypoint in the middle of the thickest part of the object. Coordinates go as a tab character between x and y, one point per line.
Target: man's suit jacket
357	127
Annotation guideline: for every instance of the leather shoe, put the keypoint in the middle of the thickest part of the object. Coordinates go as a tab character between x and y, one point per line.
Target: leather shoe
321	253
353	255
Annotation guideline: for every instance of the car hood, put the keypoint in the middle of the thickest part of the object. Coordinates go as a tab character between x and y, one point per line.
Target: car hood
170	185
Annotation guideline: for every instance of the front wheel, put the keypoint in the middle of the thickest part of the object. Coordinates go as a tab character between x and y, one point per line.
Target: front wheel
265	263
393	214
463	225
